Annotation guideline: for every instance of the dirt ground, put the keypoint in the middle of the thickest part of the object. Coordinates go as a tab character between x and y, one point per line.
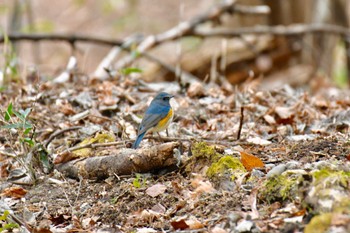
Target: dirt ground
264	182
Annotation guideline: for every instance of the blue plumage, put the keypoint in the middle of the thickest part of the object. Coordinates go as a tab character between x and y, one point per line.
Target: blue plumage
157	117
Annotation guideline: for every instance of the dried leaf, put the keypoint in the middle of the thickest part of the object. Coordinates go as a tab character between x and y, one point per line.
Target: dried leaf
14	192
284	112
179	224
156	190
218	230
194	223
64	157
196	89
250	161
259	141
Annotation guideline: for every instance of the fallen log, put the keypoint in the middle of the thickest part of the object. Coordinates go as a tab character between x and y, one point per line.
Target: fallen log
124	162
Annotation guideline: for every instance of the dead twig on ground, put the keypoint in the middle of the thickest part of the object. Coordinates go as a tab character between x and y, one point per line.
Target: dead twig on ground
240	123
59	132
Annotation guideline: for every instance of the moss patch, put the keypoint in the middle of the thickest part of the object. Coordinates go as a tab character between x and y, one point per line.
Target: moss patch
329	178
319	223
203	155
226	164
282	187
329	191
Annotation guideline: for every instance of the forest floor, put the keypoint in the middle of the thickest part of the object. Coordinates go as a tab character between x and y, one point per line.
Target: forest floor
289	172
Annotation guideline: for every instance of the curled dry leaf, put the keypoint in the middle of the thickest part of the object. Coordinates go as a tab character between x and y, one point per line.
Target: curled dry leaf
284	112
179	224
196	89
14	192
269	119
65	107
201	186
64	157
194	223
250	161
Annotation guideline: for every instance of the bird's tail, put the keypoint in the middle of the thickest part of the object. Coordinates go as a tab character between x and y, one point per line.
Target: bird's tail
138	140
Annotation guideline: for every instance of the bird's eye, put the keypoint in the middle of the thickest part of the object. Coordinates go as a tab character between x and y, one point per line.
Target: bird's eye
164	98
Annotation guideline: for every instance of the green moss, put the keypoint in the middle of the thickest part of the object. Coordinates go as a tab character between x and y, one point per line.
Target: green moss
330	178
342	206
331	187
319	223
202	157
226	164
282	187
203	150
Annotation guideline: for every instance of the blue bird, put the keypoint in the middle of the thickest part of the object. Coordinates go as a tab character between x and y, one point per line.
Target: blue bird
158	116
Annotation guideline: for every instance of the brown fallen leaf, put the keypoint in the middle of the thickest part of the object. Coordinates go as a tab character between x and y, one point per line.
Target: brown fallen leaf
250	161
64	157
179	224
4	171
66	108
14	192
194	223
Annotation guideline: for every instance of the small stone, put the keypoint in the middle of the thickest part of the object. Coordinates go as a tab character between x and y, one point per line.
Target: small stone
257	173
84	207
244	226
234	217
84	99
278	170
90	129
291	165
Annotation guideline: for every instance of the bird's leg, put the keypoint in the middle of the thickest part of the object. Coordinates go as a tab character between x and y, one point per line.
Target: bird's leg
152	140
167	132
160	137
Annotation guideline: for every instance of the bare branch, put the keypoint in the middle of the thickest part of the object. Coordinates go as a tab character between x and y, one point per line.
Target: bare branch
180	30
72	39
291	30
252	10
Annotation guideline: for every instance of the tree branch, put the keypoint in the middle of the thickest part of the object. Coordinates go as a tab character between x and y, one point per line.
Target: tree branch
180	30
291	30
72	39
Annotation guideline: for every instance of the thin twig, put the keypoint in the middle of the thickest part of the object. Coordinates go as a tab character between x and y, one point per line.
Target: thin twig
290	30
72	39
57	133
93	145
240	123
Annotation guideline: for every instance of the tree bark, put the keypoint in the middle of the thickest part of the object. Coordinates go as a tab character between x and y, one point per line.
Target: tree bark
125	162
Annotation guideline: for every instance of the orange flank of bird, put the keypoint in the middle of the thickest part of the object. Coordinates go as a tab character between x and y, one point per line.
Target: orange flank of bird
163	124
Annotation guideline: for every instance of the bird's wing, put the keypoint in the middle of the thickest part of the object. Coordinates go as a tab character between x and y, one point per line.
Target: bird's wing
152	117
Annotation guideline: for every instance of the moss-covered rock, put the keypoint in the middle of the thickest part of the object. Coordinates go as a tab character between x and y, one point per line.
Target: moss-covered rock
319	223
226	164
282	187
203	155
329	190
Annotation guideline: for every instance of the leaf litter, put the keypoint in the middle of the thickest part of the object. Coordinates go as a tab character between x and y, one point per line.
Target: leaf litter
290	165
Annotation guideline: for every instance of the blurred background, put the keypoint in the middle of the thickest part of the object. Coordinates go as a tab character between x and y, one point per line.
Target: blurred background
294	59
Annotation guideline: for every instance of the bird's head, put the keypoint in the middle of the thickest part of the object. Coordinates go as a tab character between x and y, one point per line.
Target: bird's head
163	97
